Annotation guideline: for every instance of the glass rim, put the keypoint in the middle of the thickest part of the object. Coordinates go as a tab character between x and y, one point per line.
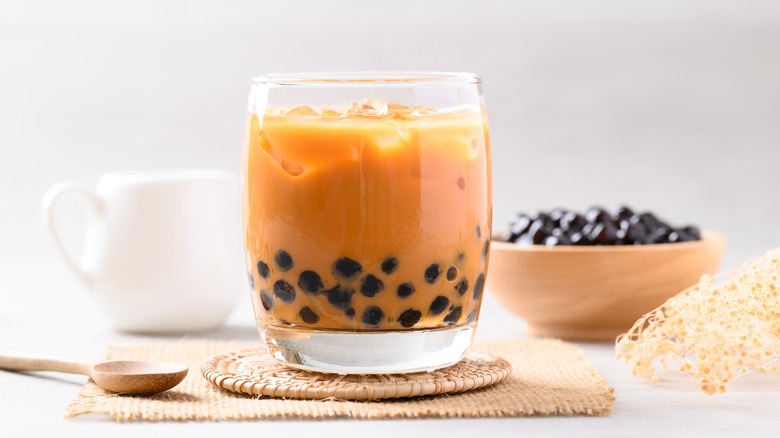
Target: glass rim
368	78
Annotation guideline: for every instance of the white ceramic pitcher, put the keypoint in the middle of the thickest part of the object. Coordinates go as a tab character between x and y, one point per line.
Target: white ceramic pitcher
163	249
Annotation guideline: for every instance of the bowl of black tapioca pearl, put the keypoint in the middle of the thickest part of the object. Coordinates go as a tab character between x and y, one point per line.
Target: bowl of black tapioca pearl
595	226
590	274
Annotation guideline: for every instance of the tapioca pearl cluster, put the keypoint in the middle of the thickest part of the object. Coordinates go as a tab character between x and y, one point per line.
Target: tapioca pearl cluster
351	280
596	226
349	273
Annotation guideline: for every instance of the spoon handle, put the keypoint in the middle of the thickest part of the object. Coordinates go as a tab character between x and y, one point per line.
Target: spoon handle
17	361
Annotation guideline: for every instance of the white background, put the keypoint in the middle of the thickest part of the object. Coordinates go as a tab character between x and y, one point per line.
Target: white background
672	106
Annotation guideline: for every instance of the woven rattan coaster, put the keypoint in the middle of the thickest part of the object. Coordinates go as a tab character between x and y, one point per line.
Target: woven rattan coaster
254	371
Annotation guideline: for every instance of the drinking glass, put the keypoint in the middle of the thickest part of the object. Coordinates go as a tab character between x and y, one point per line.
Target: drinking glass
367	217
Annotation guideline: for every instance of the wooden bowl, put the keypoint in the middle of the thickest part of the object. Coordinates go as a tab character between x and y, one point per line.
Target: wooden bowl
595	292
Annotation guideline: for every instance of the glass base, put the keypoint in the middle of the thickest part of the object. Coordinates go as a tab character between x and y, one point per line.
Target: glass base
369	352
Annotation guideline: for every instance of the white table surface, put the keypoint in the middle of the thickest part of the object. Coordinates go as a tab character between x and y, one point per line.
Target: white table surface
43	308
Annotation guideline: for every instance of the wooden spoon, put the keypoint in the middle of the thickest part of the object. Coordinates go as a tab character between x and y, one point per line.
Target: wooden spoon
121	376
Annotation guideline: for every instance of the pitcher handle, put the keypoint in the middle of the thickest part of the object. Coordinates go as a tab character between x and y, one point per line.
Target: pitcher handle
87	197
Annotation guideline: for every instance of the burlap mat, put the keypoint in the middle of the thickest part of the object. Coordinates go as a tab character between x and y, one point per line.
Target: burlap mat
549	377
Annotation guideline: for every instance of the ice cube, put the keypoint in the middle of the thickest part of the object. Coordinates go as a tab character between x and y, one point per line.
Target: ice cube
354	109
400	115
395	107
368	107
329	113
421	111
302	110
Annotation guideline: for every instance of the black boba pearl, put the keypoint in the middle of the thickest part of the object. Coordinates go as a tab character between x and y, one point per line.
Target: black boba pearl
659	235
459	259
651	222
438	305
310	282
432	273
453	316
251	281
485	248
452	273
562	237
372	316
622	213
371	285
283	261
267	300
538	232
389	265
585	231
556	215
635	233
347	268
350	312
675	237
462	286
572	222
409	317
541	218
478	285
604	233
479	232
541	224
517	227
340	297
680	236
262	269
621	234
580	239
693	232
405	289
308	316
284	291
472	316
557	240
597	215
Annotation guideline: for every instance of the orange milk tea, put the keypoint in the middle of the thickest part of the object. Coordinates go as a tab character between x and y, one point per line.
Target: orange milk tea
373	219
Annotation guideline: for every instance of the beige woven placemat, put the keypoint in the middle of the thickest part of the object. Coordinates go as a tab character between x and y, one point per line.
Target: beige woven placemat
549	377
